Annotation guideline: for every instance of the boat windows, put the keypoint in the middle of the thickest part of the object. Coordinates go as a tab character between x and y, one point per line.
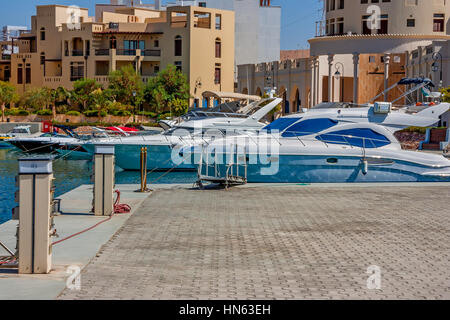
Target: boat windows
358	137
280	124
307	127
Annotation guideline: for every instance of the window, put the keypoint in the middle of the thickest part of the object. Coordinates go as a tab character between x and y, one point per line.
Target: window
280	124
76	71
112	43
20	74
359	137
218	22
411	23
217	75
307	127
42	34
156	69
438	22
178	46
178	65
218	48
28	73
156	43
87	48
202	4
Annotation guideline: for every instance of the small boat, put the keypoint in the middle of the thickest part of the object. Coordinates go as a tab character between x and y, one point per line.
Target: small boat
16	132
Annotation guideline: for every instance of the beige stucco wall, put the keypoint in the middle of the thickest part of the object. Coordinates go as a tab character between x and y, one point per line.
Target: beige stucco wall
198	59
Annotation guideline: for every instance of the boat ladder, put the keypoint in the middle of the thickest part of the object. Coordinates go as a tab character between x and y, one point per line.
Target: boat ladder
235	173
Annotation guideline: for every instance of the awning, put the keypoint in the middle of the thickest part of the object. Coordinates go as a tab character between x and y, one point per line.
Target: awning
229	95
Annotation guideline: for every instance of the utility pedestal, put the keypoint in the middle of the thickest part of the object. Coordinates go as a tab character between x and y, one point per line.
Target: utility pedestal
35	197
104	180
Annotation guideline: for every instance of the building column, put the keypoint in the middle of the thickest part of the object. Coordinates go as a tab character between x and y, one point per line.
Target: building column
355	76
387	60
313	82
330	77
317	80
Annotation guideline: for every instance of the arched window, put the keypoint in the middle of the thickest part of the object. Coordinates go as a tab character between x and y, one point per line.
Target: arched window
42	34
218	48
112	43
178	46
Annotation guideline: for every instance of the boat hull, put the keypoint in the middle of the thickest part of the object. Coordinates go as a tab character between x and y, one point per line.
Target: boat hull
74	154
318	169
159	157
34	146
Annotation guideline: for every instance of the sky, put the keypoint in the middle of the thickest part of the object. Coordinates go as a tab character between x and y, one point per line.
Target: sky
297	21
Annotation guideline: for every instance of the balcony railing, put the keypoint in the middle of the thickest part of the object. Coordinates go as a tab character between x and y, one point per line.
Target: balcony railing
152	53
77	53
126	52
102	52
6	57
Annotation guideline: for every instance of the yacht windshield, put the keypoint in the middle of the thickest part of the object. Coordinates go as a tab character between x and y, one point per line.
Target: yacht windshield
358	137
280	124
309	126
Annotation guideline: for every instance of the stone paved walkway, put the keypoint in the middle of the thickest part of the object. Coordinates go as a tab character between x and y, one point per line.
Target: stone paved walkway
278	243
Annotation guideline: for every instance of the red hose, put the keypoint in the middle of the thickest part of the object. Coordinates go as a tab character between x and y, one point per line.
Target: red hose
118	209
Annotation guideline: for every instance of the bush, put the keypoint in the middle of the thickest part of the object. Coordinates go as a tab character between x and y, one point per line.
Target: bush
95	113
73	113
164	116
121	113
148	114
16	112
45	112
23	112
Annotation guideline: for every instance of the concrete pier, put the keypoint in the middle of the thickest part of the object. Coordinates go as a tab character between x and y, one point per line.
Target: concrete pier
256	242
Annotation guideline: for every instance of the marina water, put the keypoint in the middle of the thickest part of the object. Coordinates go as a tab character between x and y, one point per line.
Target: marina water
69	174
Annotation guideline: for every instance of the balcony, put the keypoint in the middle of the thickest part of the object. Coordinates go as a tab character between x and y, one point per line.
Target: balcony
151	53
77	53
6	57
126	52
102	52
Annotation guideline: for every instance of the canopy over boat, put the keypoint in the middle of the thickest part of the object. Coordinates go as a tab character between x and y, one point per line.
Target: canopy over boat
229	95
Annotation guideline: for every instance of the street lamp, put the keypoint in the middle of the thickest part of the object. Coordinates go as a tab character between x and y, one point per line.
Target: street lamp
437	66
134	109
338	76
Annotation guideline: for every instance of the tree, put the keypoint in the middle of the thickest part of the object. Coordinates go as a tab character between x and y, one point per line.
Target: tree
37	98
82	92
58	95
178	107
446	94
7	95
126	86
169	85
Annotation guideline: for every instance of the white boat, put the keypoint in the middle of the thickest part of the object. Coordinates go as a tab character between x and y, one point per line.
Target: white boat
328	146
161	148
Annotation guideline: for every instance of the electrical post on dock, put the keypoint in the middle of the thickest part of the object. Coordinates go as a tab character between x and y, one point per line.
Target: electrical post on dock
35	215
104	180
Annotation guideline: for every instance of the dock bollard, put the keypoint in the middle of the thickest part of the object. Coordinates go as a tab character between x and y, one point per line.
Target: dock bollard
143	168
35	197
104	180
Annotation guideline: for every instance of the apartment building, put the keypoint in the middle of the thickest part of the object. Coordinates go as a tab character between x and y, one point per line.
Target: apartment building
66	45
8	47
257	24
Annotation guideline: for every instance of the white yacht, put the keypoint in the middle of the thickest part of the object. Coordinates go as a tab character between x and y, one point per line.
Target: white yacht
329	146
191	131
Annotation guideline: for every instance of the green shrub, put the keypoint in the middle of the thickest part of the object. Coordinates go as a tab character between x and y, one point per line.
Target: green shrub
23	112
122	113
73	113
95	113
45	112
16	112
148	114
164	116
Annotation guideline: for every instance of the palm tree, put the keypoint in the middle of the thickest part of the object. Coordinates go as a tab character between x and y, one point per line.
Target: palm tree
7	95
59	94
